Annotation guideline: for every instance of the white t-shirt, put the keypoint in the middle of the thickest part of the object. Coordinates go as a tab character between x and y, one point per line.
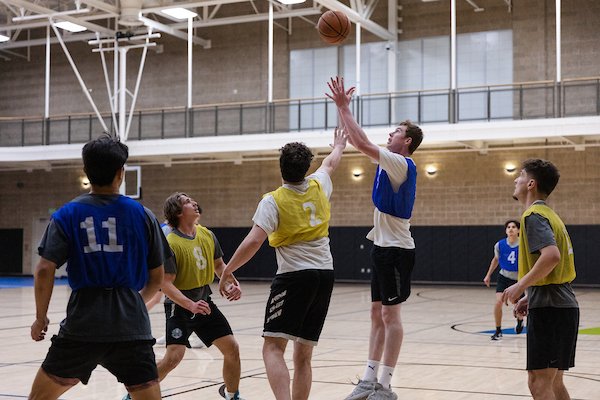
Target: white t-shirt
302	255
388	230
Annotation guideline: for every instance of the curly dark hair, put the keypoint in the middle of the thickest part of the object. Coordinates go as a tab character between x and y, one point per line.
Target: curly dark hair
514	221
543	172
294	161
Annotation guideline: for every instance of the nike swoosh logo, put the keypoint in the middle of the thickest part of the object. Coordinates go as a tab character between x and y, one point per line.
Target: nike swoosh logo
392	298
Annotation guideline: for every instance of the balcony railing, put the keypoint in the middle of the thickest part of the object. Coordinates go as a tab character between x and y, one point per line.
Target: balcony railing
543	99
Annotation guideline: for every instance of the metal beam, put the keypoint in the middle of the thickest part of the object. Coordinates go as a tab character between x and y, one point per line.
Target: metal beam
174	32
48	12
301	12
193	4
41	42
42	24
367	24
100	5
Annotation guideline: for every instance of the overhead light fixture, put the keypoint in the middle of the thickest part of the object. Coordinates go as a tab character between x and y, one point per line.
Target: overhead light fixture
510	167
71	27
431	170
357	173
288	2
179	13
4	38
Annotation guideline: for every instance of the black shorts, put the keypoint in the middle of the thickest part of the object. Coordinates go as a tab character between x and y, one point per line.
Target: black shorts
181	323
503	283
298	305
132	363
392	270
551	337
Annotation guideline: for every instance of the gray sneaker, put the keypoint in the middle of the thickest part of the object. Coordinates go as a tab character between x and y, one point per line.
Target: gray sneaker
362	390
382	394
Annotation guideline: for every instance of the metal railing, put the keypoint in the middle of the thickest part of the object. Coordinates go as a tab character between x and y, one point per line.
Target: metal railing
527	100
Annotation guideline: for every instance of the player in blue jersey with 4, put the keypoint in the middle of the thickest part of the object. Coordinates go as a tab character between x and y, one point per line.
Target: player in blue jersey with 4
115	251
506	254
393	253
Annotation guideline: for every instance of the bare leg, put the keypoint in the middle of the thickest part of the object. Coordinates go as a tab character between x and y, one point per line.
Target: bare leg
394	333
149	393
377	338
559	388
46	388
541	383
277	370
302	371
498	310
172	358
232	368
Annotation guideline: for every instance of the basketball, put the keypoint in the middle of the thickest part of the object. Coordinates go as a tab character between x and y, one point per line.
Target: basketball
333	27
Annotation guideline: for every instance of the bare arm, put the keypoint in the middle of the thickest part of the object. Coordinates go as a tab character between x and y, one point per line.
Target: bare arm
331	162
491	269
549	258
169	289
155	278
245	251
43	287
357	136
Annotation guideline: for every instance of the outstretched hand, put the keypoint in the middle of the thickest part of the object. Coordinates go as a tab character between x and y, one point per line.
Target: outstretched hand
340	138
339	95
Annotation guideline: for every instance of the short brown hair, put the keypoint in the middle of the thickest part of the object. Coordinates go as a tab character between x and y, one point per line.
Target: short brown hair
415	133
294	161
544	173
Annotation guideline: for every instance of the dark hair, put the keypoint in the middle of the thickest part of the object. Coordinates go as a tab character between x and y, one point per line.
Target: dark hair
103	158
173	208
415	133
543	172
294	161
514	221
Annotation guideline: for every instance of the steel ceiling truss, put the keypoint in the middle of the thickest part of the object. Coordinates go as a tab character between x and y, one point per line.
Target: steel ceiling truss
103	15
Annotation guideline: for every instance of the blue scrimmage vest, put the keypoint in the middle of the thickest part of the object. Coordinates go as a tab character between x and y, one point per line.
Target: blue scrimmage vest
508	257
108	243
399	204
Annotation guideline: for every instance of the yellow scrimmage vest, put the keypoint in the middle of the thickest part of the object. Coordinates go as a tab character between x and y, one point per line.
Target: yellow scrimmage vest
565	269
194	258
303	217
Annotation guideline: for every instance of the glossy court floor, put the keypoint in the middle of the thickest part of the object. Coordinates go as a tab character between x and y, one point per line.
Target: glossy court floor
446	354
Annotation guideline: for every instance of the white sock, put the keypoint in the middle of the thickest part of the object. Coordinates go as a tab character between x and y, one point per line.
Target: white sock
386	376
230	395
371	371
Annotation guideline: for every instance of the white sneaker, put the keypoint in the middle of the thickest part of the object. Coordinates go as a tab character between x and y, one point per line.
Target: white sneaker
196	342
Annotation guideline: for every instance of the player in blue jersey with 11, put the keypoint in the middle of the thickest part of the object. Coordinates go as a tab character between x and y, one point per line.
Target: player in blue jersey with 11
115	252
506	254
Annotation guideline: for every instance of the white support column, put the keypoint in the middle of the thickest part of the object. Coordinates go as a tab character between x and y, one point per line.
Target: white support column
189	48
122	92
47	83
452	103
270	73
392	45
558	41
358	91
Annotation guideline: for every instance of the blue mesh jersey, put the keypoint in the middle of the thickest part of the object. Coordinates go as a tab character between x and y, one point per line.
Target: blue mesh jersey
508	257
108	243
399	204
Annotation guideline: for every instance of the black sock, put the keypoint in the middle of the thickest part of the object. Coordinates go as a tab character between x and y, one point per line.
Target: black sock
498	329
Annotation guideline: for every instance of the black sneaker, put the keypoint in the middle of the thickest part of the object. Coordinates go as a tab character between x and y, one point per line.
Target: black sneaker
519	327
497	336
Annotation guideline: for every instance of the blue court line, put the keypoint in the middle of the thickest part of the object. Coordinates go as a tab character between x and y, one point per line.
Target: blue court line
506	331
9	282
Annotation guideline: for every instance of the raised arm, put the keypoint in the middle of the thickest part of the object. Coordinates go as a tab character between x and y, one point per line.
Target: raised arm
357	136
245	251
331	162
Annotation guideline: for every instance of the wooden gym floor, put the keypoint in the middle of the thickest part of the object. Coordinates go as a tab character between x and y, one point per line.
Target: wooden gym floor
446	354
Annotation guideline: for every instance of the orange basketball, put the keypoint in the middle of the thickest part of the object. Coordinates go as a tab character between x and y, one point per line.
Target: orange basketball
333	27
